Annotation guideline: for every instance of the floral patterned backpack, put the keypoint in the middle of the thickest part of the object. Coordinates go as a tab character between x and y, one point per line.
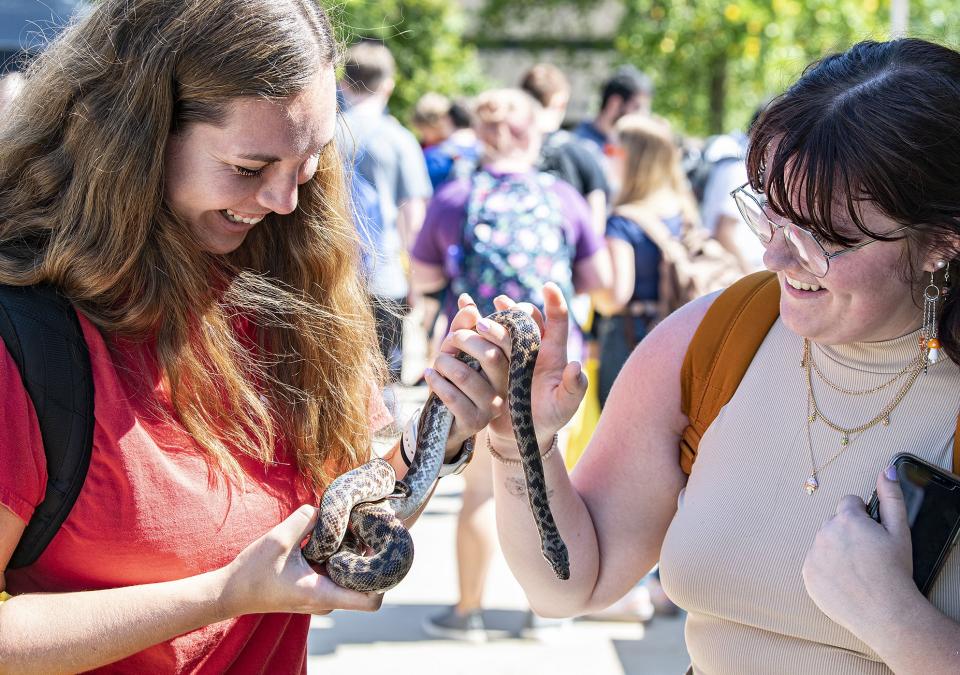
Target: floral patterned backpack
514	240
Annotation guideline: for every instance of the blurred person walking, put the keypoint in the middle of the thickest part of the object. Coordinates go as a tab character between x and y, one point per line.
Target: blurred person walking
450	146
627	91
654	199
562	153
724	163
507	228
388	157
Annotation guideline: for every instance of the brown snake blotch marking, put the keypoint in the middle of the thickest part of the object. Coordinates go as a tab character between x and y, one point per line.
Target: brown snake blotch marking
363	510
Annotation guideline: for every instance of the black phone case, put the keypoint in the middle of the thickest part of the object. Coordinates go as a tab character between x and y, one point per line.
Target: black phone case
940	475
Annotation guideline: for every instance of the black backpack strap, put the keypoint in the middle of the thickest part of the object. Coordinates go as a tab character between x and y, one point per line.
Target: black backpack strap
43	336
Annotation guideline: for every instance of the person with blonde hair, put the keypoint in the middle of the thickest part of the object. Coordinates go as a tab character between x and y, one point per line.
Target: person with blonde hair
506	228
169	170
654	199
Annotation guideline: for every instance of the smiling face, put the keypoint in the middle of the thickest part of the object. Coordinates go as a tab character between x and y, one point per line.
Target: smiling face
224	179
862	298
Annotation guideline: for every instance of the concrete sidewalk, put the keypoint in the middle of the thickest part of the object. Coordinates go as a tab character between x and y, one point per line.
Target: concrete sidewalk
392	641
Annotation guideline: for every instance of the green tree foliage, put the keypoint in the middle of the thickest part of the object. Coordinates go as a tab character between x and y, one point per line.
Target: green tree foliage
714	61
425	37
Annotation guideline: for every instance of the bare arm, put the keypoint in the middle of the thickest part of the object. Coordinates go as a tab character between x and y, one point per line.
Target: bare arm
597	200
614	510
624	278
426	278
70	632
593	275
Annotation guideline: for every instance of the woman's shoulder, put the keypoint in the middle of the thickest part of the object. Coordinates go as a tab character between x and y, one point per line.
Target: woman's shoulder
676	331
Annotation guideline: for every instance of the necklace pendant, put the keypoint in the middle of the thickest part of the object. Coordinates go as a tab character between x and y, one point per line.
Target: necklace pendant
844	440
813	417
811	484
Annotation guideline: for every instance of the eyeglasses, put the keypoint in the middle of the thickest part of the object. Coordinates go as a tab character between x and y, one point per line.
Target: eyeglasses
804	246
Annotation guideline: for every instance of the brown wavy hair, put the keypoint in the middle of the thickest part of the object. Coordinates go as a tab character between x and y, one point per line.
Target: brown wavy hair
82	208
880	123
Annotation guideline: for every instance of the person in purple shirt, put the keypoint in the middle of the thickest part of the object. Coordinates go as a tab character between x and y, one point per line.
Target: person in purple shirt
506	227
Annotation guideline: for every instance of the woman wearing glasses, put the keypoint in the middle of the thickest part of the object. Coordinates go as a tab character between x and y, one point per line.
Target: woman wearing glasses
854	192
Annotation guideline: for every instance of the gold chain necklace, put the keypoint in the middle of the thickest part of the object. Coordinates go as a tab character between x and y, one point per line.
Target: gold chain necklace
808	354
814	413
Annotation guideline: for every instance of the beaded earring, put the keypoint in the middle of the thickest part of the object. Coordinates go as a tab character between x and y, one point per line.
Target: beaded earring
932	295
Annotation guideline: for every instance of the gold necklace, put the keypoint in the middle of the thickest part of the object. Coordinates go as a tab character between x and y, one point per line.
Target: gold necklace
814	413
808	354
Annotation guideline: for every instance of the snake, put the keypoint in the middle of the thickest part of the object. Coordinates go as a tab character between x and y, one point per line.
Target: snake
360	536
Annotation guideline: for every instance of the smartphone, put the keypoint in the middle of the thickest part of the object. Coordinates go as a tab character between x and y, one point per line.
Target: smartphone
932	498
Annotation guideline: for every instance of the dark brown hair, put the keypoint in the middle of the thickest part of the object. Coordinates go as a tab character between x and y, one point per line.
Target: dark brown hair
879	123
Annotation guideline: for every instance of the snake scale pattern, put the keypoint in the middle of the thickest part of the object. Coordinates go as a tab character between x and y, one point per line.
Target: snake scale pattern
362	510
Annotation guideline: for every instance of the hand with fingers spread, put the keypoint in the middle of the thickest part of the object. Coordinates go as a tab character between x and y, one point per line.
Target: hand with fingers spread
859	571
558	384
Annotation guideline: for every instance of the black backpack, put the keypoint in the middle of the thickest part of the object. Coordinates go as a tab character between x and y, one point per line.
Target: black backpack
43	336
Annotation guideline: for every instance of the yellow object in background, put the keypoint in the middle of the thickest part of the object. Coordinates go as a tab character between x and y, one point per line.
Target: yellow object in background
4	596
581	427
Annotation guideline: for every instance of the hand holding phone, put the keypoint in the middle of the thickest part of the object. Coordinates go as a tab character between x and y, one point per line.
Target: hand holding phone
932	499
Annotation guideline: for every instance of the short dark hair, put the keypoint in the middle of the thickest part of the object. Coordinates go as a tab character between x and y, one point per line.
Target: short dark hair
367	64
544	81
460	114
626	82
879	122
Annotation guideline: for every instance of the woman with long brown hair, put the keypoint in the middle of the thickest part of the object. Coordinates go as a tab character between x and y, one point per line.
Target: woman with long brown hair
169	170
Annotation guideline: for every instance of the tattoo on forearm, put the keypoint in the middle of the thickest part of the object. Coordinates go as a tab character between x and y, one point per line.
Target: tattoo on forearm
518	487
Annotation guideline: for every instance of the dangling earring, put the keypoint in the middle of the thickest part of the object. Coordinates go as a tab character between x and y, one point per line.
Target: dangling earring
929	342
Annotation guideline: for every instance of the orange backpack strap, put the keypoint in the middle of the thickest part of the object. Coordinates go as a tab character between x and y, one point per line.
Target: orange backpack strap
721	351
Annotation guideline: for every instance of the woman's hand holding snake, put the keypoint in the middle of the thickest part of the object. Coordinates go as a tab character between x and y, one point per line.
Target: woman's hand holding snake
558	384
271	575
474	398
364	509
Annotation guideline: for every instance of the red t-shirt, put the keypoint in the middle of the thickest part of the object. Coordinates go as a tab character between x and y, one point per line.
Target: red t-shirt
152	510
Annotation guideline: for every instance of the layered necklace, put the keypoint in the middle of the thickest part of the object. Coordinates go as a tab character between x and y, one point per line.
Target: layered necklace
814	414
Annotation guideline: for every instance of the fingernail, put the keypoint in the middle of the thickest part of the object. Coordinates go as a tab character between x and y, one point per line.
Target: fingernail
429	372
579	368
466	299
483	326
890	472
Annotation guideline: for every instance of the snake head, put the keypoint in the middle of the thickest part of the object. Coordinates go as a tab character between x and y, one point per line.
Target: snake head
559	560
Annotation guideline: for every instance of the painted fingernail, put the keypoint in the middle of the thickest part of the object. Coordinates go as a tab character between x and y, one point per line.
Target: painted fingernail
429	372
890	472
483	326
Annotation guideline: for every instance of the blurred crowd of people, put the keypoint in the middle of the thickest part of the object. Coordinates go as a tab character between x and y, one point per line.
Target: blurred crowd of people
502	193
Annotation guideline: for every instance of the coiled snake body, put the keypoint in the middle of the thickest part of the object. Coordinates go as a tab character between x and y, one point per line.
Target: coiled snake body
363	508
